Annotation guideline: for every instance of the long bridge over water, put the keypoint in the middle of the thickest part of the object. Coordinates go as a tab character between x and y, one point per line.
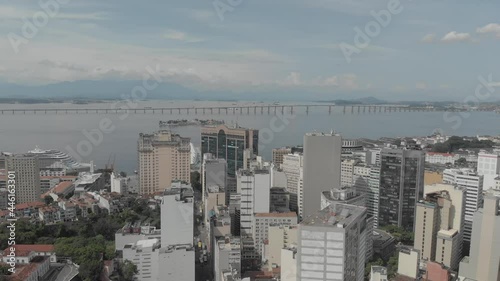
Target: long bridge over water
240	109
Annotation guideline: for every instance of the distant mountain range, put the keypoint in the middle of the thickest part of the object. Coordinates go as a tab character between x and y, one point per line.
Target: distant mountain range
116	89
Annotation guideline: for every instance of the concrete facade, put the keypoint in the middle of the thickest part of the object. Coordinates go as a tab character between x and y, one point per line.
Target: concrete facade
164	157
322	166
484	260
473	183
401	186
27	176
254	188
331	244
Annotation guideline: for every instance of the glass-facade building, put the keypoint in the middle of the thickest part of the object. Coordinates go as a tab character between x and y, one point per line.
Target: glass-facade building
229	143
401	186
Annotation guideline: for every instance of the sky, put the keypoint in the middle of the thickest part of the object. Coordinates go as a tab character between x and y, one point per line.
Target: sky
427	50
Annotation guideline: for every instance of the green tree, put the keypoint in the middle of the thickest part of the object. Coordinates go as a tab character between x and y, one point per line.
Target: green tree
48	200
462	162
195	180
392	265
129	270
378	261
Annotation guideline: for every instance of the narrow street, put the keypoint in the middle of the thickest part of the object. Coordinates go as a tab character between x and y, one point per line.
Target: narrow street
203	271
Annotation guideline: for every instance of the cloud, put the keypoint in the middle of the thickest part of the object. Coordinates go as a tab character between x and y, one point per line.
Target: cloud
203	16
490	28
454	36
293	79
429	38
176	35
421	86
347	81
11	13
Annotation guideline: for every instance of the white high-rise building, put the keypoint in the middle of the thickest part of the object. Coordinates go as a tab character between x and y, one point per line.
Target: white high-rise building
145	255
373	194
118	183
484	260
332	245
322	166
488	165
254	188
473	183
292	167
177	255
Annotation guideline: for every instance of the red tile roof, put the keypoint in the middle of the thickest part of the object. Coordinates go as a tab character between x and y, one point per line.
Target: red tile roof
23	250
27	205
62	186
24	271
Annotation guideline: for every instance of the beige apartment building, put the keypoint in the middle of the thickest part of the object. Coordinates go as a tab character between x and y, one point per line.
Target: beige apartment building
438	225
27	176
164	157
484	260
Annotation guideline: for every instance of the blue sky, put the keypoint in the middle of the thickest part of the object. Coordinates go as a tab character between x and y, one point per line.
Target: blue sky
432	49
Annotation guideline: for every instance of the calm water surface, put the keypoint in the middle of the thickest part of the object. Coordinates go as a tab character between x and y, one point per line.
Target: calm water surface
19	133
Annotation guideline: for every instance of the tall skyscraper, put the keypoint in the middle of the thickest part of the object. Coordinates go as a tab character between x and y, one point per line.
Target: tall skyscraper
293	168
322	162
177	255
254	187
401	186
473	183
484	260
438	225
27	176
229	143
373	196
332	244
164	157
214	173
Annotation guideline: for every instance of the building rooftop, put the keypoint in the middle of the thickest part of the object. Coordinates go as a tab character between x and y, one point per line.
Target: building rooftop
379	269
28	205
448	233
25	248
62	186
86	178
338	215
272	215
463	171
23	272
149	243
